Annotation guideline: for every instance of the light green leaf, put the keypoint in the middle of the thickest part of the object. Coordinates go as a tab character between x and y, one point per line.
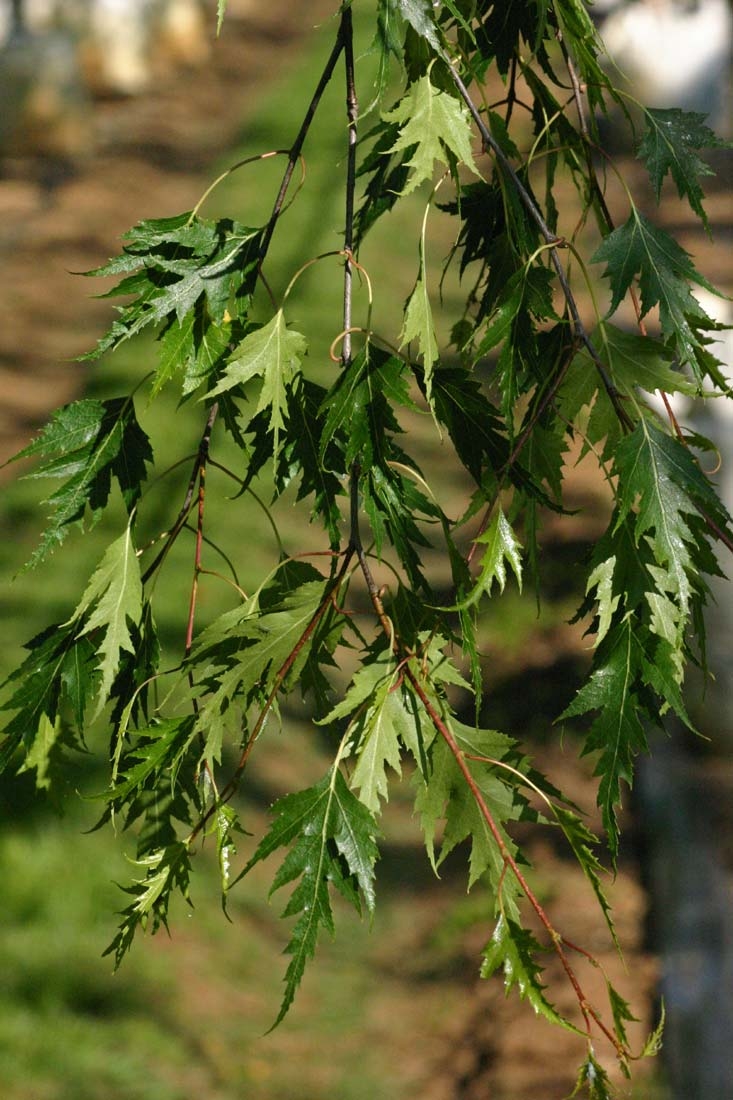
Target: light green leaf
379	747
115	594
382	725
418	325
38	755
501	547
273	353
163	871
602	580
444	796
433	122
239	656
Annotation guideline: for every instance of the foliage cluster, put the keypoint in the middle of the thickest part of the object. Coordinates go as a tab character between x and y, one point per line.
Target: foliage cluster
523	380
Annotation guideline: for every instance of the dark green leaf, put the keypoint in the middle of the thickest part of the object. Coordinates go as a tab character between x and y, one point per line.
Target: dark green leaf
332	841
92	442
671	143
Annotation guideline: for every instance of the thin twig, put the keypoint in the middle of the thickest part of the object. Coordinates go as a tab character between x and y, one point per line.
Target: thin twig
182	517
297	145
352	111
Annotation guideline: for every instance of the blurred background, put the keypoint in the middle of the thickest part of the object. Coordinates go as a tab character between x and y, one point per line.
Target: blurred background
116	110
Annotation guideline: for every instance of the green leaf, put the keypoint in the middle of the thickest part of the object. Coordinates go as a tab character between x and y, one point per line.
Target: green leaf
419	14
514	948
617	734
224	824
91	442
39	754
418	325
332	840
156	754
659	479
221	7
501	547
665	271
273	353
164	871
385	720
114	593
637	362
593	1077
444	796
583	841
181	264
237	659
195	346
601	579
621	1012
432	122
359	408
671	144
56	677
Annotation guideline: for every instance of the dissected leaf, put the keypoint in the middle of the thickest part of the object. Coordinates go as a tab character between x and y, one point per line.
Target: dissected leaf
182	266
665	272
114	595
671	144
501	547
445	797
601	579
237	659
418	325
431	123
58	676
617	733
91	442
164	871
514	950
660	480
332	841
274	354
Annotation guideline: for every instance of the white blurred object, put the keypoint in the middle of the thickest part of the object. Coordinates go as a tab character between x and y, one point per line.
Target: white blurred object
675	53
122	45
45	106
